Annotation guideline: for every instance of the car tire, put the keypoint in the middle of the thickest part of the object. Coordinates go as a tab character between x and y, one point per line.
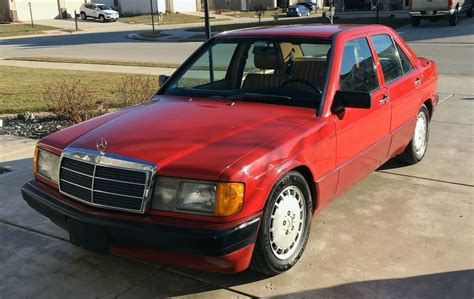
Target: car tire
83	16
453	19
469	13
284	230
416	149
102	19
415	21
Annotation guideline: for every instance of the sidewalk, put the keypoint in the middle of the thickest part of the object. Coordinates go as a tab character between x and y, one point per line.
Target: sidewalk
155	71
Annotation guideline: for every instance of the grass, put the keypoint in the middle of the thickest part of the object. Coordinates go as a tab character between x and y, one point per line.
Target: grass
172	18
22	29
21	88
391	22
95	61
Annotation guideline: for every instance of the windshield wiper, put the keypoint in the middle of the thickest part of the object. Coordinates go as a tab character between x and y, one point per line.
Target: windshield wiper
257	96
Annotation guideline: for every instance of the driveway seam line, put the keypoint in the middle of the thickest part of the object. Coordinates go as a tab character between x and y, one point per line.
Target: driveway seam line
450	122
33	230
427	179
208	282
154	273
446	98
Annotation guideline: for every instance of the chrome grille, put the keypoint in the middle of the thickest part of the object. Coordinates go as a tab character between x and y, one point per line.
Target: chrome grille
106	180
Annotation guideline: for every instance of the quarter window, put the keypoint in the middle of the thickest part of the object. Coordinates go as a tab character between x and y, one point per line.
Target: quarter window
406	64
388	57
358	70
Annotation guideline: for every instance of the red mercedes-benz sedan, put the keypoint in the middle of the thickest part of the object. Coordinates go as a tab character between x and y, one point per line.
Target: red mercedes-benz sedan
249	139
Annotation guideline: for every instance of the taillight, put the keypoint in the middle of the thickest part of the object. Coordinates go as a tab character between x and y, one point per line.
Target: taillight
450	3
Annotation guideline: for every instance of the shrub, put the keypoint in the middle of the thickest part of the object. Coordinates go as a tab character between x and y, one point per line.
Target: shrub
136	89
72	101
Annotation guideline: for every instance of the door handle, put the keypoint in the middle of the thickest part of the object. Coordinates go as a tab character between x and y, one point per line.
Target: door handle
384	100
417	81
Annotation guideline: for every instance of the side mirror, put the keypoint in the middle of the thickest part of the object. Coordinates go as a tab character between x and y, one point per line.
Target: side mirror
351	99
162	79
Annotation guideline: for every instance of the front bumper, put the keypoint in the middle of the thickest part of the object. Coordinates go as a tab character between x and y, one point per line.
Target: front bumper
112	17
227	250
433	13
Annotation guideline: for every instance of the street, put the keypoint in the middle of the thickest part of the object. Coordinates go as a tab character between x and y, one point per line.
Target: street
401	232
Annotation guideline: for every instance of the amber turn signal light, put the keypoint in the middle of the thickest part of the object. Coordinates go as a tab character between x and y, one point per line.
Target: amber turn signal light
35	160
229	198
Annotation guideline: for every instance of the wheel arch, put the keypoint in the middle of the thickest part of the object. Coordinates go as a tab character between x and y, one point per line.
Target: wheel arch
429	104
308	176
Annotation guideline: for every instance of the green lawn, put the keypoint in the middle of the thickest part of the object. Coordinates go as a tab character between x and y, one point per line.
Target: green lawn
95	61
22	29
172	18
391	22
21	88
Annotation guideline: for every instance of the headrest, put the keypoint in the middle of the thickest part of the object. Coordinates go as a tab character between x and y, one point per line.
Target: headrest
266	58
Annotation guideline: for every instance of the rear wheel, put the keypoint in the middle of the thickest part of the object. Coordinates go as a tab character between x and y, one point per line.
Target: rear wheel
415	21
83	16
453	19
416	149
469	13
285	226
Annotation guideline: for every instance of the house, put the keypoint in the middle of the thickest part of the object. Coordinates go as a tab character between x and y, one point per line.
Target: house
137	7
19	10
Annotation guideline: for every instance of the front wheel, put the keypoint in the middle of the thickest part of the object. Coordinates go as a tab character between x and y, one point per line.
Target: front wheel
101	19
285	226
453	19
416	149
83	16
415	21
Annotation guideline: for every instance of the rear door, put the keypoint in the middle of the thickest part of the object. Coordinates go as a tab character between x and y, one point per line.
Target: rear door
362	134
402	81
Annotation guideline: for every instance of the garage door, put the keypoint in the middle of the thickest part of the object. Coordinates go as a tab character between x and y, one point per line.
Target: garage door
42	9
72	5
184	5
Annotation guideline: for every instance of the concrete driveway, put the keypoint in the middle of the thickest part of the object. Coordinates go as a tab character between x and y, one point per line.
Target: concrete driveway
401	232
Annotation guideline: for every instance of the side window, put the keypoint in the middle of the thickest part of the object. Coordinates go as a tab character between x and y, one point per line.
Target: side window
210	67
358	71
406	64
388	57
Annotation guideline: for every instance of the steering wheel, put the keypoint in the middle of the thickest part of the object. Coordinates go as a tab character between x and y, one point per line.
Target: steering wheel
305	82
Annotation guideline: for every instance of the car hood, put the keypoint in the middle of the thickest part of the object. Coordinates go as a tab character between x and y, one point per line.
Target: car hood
110	11
194	138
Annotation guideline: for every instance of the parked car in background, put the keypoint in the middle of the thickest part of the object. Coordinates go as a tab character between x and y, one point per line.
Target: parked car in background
311	6
297	11
251	137
435	10
97	11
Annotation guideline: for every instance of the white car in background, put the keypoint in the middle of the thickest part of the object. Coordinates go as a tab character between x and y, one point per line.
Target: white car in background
98	11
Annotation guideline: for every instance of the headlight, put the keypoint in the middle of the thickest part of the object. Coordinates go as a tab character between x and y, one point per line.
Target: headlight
47	165
179	195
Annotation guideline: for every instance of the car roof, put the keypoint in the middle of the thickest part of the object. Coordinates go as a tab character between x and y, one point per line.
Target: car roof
324	31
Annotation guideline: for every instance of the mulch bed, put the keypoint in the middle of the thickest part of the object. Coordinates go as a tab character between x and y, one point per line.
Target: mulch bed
32	126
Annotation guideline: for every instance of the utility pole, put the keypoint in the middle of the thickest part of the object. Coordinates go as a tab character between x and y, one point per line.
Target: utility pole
152	16
206	19
31	15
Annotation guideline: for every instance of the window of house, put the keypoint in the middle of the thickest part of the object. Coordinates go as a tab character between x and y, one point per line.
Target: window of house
388	57
358	71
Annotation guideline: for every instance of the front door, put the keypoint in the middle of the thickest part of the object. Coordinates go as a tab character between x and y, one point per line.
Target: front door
362	134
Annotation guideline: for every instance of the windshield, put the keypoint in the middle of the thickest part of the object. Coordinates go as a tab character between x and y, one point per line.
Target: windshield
276	71
104	7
